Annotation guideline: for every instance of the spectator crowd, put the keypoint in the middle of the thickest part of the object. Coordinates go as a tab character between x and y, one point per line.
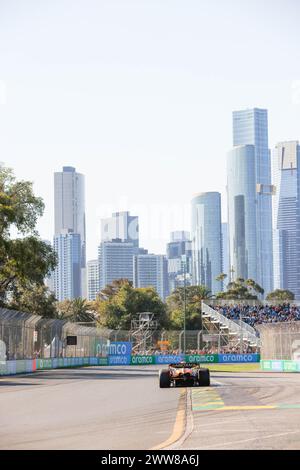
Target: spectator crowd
259	314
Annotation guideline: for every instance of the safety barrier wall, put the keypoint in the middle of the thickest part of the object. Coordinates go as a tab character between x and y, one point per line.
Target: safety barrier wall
31	365
280	366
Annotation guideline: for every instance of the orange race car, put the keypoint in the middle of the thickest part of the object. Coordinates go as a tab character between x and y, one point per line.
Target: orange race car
184	373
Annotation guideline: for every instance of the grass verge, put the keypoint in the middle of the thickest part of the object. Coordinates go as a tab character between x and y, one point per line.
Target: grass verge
254	367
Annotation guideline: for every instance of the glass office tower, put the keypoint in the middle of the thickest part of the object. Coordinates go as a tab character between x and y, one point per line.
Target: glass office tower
241	190
286	217
250	127
207	240
69	211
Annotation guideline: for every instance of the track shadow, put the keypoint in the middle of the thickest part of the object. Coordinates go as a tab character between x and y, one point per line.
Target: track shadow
84	374
15	384
241	377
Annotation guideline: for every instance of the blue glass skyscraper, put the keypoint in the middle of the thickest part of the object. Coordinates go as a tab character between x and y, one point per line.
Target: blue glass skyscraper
207	240
250	127
241	191
286	216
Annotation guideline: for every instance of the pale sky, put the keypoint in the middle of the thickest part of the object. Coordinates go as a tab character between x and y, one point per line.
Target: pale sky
138	96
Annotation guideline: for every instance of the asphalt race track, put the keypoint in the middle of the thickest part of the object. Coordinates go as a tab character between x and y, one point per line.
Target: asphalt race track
123	408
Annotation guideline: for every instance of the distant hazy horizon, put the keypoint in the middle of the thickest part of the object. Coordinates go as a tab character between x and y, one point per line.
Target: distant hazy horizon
138	96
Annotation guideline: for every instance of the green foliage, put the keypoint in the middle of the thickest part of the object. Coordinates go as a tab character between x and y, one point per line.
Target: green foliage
241	289
25	261
281	294
221	277
76	310
119	303
37	300
175	304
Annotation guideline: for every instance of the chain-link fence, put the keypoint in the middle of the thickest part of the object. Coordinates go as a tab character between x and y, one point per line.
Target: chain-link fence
25	336
280	341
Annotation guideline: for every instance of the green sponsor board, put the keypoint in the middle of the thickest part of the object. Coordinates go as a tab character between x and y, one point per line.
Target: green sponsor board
142	360
70	362
266	365
3	368
102	361
280	366
44	364
202	358
290	366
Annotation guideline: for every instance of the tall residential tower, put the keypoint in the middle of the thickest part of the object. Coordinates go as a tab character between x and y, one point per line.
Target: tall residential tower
250	128
69	213
286	216
207	240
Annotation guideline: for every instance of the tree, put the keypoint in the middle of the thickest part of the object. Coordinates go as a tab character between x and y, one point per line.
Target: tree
38	301
76	310
119	303
112	289
194	297
241	289
221	277
24	261
281	294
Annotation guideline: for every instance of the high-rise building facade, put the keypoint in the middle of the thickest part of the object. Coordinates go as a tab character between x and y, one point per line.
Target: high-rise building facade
121	225
179	249
286	216
207	240
225	252
69	211
250	127
115	261
93	278
241	196
151	271
67	274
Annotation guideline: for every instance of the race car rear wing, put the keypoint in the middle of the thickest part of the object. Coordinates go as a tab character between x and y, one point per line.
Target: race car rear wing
186	365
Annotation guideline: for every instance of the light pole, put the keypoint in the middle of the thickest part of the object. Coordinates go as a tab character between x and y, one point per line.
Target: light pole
184	303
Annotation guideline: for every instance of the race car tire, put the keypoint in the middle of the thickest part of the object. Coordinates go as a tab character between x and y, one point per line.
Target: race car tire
164	379
203	378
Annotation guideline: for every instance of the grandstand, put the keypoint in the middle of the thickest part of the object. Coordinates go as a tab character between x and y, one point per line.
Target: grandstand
258	314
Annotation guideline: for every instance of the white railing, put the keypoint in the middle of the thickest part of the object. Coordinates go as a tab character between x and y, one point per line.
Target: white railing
241	328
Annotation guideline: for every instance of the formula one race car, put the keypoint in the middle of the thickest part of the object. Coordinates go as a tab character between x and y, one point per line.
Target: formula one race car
184	373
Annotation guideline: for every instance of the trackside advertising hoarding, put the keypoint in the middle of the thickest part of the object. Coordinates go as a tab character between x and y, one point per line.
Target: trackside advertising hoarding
142	360
232	358
280	366
202	358
119	353
31	365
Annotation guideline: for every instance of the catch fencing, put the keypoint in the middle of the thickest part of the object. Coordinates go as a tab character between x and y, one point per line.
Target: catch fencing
29	342
25	336
280	346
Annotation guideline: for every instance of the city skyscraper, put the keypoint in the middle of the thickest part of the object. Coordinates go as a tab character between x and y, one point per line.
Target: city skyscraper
250	127
225	252
179	246
115	261
241	192
151	271
207	240
121	225
67	274
69	211
93	279
286	216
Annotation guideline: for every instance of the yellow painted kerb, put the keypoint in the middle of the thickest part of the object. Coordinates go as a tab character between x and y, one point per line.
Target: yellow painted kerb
179	425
